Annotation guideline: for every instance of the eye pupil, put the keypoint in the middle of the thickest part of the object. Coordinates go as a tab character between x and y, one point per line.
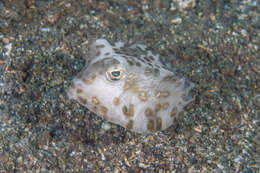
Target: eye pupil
115	73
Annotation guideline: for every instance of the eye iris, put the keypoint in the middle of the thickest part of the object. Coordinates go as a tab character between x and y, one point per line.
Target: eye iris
115	73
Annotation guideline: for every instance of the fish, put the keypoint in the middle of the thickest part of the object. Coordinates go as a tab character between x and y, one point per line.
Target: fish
129	85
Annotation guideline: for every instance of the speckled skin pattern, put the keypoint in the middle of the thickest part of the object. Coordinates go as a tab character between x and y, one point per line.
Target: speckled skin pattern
129	86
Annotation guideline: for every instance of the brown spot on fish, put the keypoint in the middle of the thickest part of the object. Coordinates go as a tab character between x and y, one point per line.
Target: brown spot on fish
161	93
158	123
165	106
157	107
130	124
103	110
116	101
79	91
143	96
100	46
90	80
170	78
150	125
95	100
128	111
148	112
94	109
156	72
98	53
82	100
148	71
165	93
131	83
157	93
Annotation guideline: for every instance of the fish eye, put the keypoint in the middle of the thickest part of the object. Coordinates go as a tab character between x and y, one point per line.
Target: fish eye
115	73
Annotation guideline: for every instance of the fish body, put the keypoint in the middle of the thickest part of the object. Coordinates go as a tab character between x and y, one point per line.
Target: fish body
129	86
